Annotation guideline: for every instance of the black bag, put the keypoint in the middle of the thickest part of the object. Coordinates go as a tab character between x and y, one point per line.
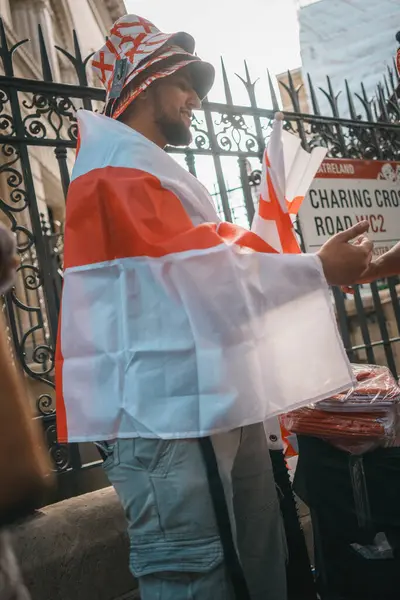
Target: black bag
346	511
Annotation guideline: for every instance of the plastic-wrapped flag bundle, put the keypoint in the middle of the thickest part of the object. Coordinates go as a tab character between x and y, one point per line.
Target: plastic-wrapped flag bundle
376	389
357	421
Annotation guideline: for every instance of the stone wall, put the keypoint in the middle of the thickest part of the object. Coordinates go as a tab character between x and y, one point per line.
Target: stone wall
77	550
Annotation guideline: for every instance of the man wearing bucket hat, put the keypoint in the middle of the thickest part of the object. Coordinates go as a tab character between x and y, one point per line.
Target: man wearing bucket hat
177	331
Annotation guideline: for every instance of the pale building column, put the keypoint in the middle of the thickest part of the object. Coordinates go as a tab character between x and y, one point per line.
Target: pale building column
21	18
26	20
25	25
45	17
5	11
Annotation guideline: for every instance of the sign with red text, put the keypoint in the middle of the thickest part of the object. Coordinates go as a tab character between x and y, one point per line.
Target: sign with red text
346	191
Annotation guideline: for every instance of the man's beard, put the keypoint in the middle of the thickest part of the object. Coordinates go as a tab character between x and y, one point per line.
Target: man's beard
175	132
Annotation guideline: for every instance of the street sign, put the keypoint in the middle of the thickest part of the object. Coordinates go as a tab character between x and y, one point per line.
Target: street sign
347	191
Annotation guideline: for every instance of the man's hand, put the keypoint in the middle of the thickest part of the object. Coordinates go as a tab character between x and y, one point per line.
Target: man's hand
386	265
345	263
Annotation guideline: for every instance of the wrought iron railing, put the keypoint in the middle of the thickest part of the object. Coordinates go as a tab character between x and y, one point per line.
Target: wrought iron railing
38	126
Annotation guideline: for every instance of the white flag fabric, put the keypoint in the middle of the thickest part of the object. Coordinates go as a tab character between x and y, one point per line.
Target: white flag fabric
173	323
288	171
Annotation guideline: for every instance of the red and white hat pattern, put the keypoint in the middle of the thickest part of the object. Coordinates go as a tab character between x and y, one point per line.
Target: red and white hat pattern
142	44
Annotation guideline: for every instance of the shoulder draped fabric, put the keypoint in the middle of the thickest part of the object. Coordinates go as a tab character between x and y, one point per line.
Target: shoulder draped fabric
175	324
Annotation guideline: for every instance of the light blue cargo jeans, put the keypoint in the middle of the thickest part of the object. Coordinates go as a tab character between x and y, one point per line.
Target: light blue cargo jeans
176	551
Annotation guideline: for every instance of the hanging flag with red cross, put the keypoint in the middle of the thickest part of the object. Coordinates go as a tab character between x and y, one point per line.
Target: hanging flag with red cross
288	171
398	54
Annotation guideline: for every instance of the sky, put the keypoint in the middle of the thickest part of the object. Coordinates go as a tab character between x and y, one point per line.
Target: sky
265	33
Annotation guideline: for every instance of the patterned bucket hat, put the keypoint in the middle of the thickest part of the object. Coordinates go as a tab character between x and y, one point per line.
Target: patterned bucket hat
133	46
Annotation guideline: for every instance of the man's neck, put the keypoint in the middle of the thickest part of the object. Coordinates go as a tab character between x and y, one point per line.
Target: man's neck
149	130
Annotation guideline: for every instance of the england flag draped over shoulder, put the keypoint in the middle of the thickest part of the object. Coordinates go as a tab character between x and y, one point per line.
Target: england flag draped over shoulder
175	324
288	171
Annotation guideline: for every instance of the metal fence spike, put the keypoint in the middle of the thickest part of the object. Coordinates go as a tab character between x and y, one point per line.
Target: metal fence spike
388	91
314	100
330	86
77	48
330	100
391	78
78	63
366	102
382	104
18	45
293	93
290	80
46	68
375	110
5	53
3	38
247	72
364	93
228	93
350	102
274	99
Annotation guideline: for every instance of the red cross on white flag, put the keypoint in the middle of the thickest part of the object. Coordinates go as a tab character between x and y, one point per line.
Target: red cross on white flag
102	66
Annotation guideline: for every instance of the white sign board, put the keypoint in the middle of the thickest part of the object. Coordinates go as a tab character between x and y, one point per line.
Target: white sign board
347	191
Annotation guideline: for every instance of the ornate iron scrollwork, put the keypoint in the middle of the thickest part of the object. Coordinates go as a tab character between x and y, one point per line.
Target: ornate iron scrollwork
234	133
25	303
7	126
50	117
201	137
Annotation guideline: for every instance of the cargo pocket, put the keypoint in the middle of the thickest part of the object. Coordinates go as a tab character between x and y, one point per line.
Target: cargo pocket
154	456
163	487
111	452
201	556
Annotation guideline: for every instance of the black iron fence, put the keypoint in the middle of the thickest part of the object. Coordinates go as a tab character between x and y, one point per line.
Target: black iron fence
37	140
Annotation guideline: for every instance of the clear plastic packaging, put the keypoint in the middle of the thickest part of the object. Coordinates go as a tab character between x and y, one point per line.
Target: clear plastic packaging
359	427
362	419
376	388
